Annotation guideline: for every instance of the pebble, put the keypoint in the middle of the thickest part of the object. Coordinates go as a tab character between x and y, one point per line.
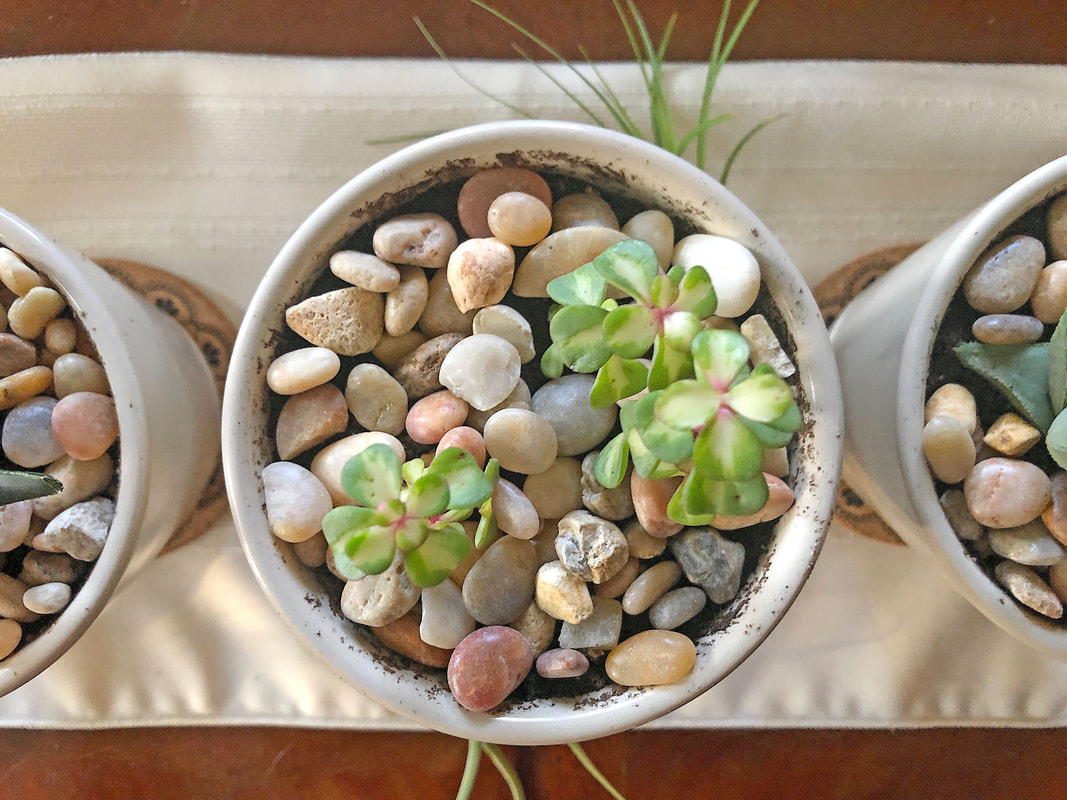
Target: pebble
483	188
60	336
487	666
584	208
14	524
519	219
650	503
310	418
521	441
599	631
1027	587
16	354
377	600
302	369
590	547
1003	277
420	240
618	583
779	500
561	594
28	315
295	501
465	438
733	269
1007	329
501	583
508	324
483	370
954	505
614	504
47	598
85	424
79	531
1006	492
376	399
651	658
710	561
1011	435
480	272
538	628
392	350
650	586
349	321
949	449
1057	227
330	460
40	567
1057	580
459	574
564	403
10	636
519	397
311	552
1055	513
11	602
1049	298
515	513
74	372
764	347
21	386
562	663
81	480
1029	544
406	302
419	373
445	619
776	462
556	491
402	635
677	607
640	542
953	400
561	253
434	415
364	270
16	274
656	228
441	314
27	437
545	541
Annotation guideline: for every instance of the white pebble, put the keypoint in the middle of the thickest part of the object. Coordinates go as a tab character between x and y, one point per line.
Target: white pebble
734	271
445	619
48	598
481	369
302	369
296	501
508	324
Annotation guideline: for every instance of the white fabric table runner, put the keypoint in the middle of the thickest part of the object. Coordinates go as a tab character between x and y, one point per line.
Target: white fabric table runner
204	164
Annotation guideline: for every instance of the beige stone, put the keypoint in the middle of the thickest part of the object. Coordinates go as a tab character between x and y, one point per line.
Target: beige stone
1012	435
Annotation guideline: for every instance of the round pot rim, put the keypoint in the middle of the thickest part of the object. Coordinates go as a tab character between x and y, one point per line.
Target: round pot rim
61	266
783	568
980	230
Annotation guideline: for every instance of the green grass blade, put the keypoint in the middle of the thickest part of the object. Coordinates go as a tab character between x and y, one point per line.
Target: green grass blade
659	107
590	767
470	770
744	140
632	37
661	52
696	130
506	770
559	85
404	138
611	100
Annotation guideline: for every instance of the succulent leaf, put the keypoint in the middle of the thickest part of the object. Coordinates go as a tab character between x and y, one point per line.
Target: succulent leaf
668	443
664	291
411	533
696	294
578	336
1019	371
371	549
719	356
16	485
611	463
691	504
629	265
739	498
428	497
486	532
761	397
618	378
1056	440
552	363
444	548
343	564
467	484
630	330
412	470
582	287
727	450
687	404
343	521
669	365
679	329
1057	366
644	460
372	476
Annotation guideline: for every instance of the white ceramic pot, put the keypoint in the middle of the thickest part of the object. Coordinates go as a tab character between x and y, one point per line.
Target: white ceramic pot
168	411
613	163
883	340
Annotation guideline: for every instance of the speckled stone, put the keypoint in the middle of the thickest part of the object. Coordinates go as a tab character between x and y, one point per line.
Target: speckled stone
500	585
710	561
1004	275
600	630
80	531
377	600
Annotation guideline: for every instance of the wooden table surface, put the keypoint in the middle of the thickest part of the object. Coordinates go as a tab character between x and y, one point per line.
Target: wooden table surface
264	763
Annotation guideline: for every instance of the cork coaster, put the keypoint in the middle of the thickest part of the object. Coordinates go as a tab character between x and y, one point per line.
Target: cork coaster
214	334
833	294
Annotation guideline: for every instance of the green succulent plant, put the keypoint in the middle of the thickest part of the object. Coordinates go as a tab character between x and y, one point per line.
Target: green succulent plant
411	507
16	485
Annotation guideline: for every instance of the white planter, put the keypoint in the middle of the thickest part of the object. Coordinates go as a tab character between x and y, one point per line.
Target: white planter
883	341
613	163
168	412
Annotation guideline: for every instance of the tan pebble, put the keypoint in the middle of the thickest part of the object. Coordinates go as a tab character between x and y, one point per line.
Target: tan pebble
75	372
81	480
714	323
641	544
16	274
29	314
402	635
650	502
14	524
311	552
1027	587
16	354
364	270
405	303
561	253
508	324
948	448
479	273
561	594
1007	329
459	574
10	636
420	373
583	208
776	462
1057	227
650	586
779	500
656	228
1029	544
651	658
1055	513
1006	492
519	397
302	369
1003	276
764	347
441	314
392	350
23	385
1057	580
377	600
85	345
515	514
1012	435
11	605
519	219
954	505
60	336
40	567
556	491
545	541
420	240
615	503
1049	298
85	424
521	440
434	415
310	418
501	583
375	398
465	438
348	321
953	400
481	189
331	459
618	583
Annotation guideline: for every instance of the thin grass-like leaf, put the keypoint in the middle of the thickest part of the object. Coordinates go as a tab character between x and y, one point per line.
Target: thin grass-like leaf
560	85
728	165
506	769
632	37
697	130
470	770
659	107
590	767
611	99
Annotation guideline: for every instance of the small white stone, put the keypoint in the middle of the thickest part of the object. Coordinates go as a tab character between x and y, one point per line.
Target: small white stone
364	270
48	598
74	372
515	514
79	531
650	586
733	269
377	600
376	399
600	630
296	501
508	324
445	619
302	369
561	594
482	369
656	228
327	465
81	480
521	441
764	347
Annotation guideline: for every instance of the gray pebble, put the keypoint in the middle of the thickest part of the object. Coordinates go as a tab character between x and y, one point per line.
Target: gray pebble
954	504
677	607
613	504
500	585
600	630
710	561
590	547
27	436
1029	544
1007	329
564	402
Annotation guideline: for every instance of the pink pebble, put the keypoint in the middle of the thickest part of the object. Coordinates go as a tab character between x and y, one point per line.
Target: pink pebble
487	666
85	424
562	663
435	415
465	438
